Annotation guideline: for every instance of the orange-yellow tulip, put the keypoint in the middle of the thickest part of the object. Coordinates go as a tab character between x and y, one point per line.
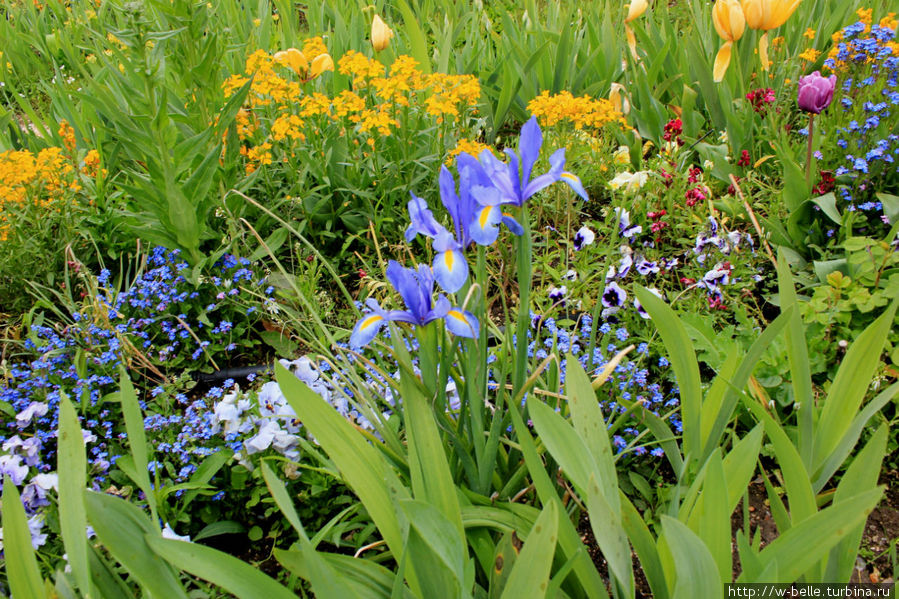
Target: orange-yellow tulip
765	15
320	64
294	59
618	98
730	25
380	34
634	10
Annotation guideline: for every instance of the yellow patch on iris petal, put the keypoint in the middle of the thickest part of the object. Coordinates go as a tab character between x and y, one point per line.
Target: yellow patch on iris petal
485	213
449	259
458	316
570	177
374	318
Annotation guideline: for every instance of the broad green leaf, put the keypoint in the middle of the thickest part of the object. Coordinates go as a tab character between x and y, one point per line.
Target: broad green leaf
123	529
108	583
806	543
563	444
645	547
137	438
25	580
851	384
234	575
417	39
364	469
586	416
710	518
605	521
221	527
684	365
435	550
72	469
695	570
739	465
861	475
367	579
505	555
530	574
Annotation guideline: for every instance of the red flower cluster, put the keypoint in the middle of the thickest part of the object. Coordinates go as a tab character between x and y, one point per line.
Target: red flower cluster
657	225
744	159
760	98
825	185
667	178
673	130
695	194
694	174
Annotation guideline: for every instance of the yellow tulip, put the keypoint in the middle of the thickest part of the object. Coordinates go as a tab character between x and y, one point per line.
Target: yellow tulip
320	64
730	24
294	59
765	15
380	34
634	10
618	98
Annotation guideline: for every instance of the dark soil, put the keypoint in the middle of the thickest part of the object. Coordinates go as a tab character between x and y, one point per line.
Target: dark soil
874	563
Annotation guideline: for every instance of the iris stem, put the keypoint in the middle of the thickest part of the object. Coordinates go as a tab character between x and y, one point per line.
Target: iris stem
808	155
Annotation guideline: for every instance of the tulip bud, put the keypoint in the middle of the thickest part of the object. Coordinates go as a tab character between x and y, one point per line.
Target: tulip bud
380	34
618	99
320	64
636	9
815	92
730	23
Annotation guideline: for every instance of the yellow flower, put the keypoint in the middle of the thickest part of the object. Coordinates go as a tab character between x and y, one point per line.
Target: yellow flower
634	10
618	98
257	22
293	59
810	55
320	64
380	34
766	15
622	155
809	33
727	16
467	146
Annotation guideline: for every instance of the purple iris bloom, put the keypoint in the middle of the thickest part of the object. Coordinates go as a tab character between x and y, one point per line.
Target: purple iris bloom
416	287
450	266
513	179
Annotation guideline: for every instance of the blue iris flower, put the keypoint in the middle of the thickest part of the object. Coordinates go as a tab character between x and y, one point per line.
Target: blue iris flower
513	179
416	287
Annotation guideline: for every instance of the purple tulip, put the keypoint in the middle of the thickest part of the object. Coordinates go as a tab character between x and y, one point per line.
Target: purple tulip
816	92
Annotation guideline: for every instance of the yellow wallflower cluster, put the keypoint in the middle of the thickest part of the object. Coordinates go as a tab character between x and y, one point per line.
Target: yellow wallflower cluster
467	146
282	109
43	180
583	111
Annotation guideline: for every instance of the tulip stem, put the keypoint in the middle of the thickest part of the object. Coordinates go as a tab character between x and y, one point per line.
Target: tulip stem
808	156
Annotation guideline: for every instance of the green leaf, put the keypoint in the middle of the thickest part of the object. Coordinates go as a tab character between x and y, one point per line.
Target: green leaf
72	469
605	521
364	469
25	580
417	39
684	365
739	465
123	528
695	569
862	474
222	527
530	574
364	578
828	204
137	439
436	549
234	575
645	547
710	518
851	384
801	547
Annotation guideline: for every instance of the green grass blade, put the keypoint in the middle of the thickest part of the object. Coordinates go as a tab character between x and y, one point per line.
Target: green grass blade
739	465
645	547
417	41
367	579
25	580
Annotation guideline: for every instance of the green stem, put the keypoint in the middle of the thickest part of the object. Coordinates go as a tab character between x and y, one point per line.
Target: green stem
808	156
519	374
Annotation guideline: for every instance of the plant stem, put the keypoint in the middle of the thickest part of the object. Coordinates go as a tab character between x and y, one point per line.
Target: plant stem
808	155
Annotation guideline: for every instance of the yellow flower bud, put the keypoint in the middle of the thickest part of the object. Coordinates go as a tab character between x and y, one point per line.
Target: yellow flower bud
380	34
320	64
618	98
636	9
728	19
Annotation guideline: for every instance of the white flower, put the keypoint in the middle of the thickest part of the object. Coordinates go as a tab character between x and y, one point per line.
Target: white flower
630	181
168	533
584	237
263	439
35	409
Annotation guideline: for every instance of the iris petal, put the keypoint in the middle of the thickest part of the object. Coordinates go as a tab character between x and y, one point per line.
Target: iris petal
462	323
485	226
450	270
529	143
366	329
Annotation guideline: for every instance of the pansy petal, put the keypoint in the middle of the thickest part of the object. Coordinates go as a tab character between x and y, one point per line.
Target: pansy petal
366	329
461	323
529	143
484	228
574	183
450	270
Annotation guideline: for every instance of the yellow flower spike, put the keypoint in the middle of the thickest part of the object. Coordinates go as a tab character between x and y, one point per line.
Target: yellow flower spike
635	9
766	15
727	16
380	34
294	59
320	64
